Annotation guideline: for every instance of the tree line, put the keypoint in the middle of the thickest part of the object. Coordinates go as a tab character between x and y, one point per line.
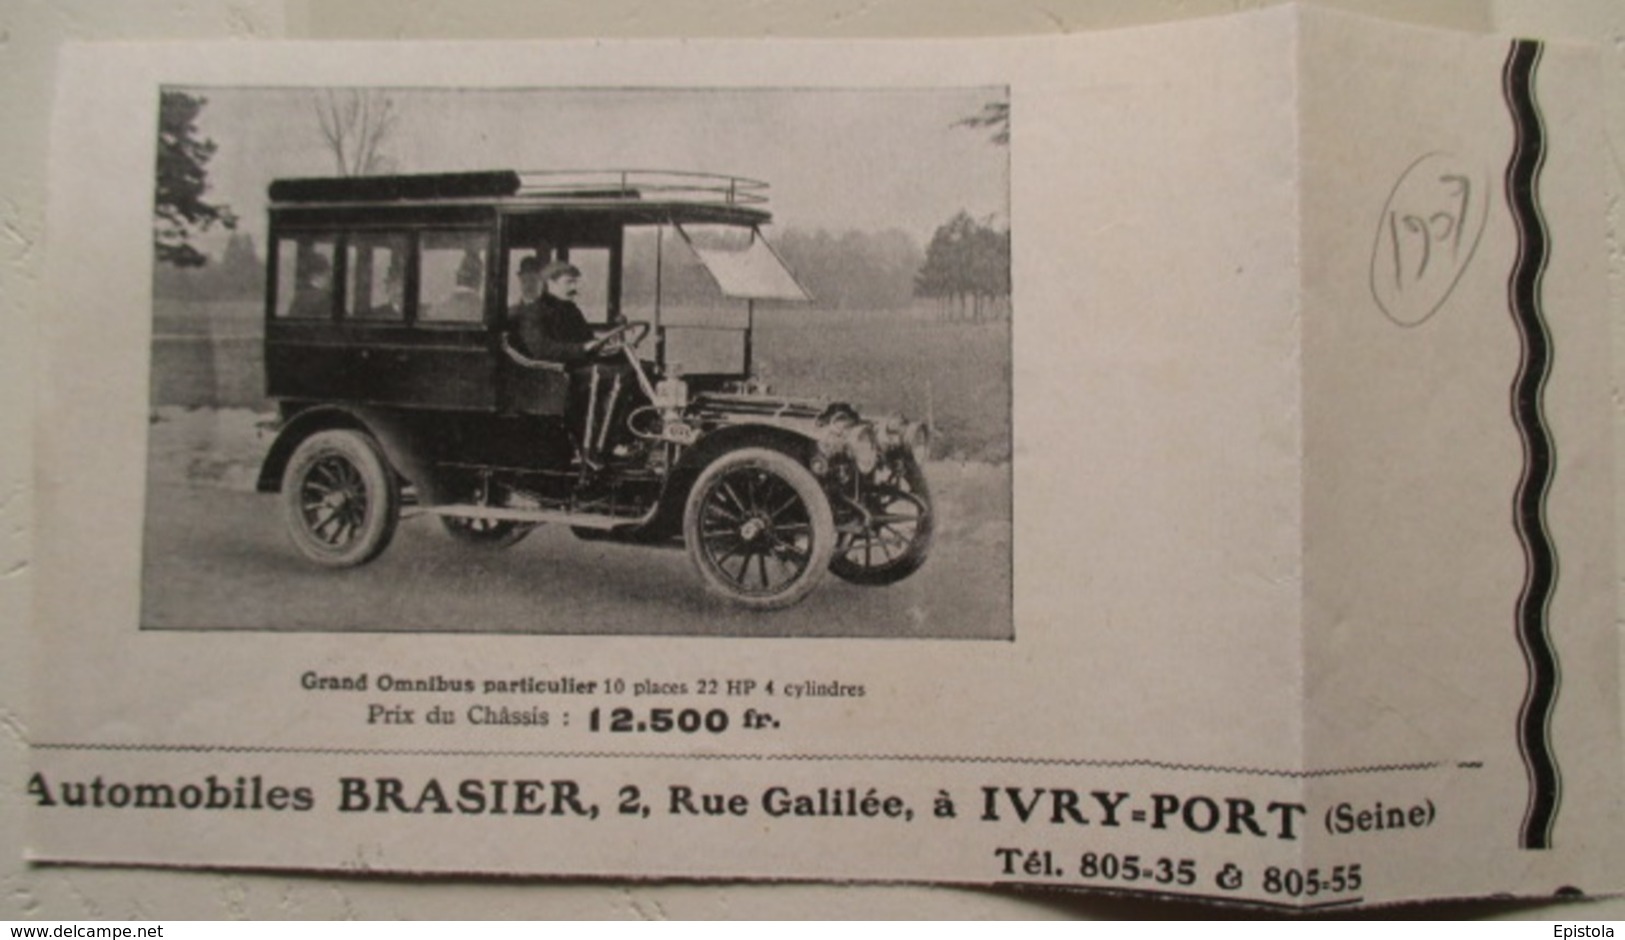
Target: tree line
238	274
850	270
965	268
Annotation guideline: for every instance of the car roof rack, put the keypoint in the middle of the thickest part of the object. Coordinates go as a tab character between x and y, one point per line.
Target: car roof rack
713	189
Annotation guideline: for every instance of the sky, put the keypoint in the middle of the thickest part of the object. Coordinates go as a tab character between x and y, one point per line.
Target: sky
868	159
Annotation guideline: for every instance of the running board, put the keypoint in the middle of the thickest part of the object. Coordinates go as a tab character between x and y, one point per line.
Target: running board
586	520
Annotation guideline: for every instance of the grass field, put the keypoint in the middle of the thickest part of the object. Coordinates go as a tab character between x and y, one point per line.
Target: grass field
958	375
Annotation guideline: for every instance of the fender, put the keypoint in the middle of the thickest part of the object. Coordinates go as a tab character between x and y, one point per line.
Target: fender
668	521
404	449
792	442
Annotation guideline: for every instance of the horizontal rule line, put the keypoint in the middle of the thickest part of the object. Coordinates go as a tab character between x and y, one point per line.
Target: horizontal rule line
810	758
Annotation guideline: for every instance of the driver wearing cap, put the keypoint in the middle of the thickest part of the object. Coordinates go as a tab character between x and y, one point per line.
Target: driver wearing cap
553	329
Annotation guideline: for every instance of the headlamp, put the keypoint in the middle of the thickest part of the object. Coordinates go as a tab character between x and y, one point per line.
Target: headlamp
917	438
865	447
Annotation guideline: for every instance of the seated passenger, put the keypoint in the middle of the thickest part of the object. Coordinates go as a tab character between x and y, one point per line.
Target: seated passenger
394	305
530	285
465	304
313	297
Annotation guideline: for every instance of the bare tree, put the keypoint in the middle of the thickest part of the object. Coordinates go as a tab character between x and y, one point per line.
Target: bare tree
356	122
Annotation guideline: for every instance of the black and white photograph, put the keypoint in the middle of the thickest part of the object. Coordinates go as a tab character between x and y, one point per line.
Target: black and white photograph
413	420
581	360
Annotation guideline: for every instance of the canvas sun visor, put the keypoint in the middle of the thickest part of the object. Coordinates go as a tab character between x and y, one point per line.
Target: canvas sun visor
746	269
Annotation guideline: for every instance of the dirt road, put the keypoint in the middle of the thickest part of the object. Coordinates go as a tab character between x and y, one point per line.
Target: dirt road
216	557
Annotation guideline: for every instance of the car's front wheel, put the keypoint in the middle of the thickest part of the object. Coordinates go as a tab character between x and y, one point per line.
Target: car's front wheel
886	532
340	498
759	529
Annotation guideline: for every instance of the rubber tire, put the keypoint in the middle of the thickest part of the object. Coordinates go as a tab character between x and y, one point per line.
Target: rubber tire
378	484
805	485
903	566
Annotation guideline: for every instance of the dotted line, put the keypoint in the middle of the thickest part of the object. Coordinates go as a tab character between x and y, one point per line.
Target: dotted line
764	758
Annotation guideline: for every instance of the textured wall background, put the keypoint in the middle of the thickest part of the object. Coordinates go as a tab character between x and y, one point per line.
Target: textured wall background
31	30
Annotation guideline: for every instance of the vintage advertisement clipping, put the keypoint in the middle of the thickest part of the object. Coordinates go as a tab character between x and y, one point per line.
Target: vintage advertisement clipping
1173	462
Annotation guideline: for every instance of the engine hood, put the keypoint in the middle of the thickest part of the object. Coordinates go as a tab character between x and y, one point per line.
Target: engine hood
769	407
836	426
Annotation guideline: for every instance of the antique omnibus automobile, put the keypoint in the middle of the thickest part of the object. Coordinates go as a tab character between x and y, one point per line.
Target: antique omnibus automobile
389	351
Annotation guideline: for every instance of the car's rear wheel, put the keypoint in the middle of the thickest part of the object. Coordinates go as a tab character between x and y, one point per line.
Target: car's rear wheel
758	529
486	533
340	498
887	536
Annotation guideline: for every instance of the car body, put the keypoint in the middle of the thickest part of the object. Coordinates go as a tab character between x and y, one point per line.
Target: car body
388	349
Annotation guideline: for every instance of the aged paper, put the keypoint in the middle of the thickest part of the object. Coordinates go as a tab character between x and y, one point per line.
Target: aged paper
1260	552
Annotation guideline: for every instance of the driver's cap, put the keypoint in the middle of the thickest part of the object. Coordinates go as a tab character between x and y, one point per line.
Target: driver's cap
558	269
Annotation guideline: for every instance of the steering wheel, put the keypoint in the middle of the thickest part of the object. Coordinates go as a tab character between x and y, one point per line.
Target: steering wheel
641	327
